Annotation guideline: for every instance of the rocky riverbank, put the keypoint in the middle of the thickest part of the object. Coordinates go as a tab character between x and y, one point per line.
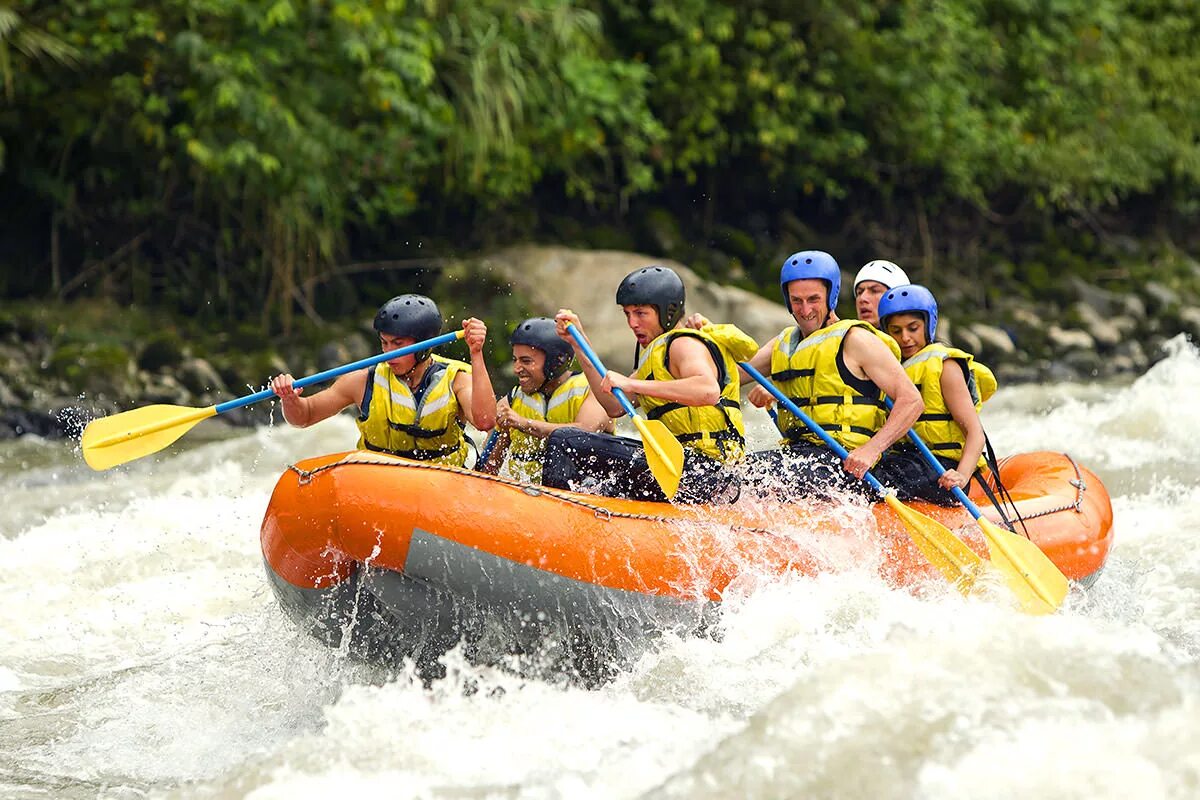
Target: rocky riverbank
63	365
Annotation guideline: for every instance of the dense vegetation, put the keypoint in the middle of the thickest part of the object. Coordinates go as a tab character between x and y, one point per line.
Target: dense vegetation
222	157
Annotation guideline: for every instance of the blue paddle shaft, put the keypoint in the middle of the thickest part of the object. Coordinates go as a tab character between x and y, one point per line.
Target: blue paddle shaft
599	365
488	447
938	467
363	363
812	426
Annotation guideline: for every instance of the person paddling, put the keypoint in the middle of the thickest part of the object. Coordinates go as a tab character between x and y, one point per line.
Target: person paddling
548	396
950	424
870	284
686	378
415	405
838	372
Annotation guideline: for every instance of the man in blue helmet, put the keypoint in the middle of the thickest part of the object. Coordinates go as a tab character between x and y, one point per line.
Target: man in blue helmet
687	377
548	396
413	406
837	372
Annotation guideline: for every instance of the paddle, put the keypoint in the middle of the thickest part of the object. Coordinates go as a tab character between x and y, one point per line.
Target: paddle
664	454
486	452
957	562
1036	581
123	437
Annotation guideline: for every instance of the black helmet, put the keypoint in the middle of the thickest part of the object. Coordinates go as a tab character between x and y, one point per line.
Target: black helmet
654	286
410	315
539	332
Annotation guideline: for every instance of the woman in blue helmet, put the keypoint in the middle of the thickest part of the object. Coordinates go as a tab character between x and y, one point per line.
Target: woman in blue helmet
686	376
548	396
838	372
950	424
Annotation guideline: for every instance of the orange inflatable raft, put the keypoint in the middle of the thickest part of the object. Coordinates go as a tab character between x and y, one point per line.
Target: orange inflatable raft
407	558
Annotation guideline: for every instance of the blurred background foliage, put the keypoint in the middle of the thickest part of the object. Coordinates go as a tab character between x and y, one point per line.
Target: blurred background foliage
230	160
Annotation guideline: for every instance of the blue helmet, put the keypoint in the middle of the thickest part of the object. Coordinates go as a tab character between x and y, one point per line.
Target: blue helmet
811	264
911	298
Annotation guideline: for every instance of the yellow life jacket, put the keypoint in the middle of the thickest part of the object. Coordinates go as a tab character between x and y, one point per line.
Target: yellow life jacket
809	370
561	407
392	420
716	430
936	426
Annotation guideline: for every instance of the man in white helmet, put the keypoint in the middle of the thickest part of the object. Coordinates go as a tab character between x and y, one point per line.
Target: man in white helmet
875	278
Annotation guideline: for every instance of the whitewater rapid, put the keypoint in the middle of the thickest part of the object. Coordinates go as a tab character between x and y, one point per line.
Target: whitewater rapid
143	654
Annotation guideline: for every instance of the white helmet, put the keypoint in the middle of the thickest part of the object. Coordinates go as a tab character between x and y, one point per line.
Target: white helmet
885	272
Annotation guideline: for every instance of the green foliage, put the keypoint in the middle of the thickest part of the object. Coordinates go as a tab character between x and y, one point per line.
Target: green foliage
273	129
219	157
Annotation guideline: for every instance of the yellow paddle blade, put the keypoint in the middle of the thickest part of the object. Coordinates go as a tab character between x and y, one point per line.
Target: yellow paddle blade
959	563
123	437
664	454
1029	573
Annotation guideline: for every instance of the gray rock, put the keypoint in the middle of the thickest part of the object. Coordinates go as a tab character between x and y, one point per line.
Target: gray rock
1099	327
164	388
992	339
1134	306
8	398
335	354
1132	350
1101	300
1159	297
1190	317
198	377
965	338
1084	362
1010	373
1026	317
586	282
1069	339
1058	371
1120	363
1125	325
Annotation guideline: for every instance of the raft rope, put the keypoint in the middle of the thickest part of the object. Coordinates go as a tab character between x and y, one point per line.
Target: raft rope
371	459
533	491
1080	487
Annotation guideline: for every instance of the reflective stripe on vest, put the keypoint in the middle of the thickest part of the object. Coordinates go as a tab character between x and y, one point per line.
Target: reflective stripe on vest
426	430
716	430
936	426
806	370
562	407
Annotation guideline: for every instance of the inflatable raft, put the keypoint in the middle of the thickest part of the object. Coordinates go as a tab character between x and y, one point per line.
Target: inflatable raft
397	559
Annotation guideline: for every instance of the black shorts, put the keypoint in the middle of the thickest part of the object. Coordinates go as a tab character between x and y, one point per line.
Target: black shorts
615	466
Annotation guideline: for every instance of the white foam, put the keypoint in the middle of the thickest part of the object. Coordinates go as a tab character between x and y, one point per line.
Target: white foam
141	652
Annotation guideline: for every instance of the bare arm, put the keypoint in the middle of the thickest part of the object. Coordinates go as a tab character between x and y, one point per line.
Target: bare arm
300	412
692	367
592	417
609	403
962	408
476	398
758	396
868	357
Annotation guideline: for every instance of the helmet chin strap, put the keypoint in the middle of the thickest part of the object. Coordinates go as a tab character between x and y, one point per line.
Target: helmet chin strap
418	360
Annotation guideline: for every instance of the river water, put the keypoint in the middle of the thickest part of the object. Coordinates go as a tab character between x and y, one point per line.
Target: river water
143	655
